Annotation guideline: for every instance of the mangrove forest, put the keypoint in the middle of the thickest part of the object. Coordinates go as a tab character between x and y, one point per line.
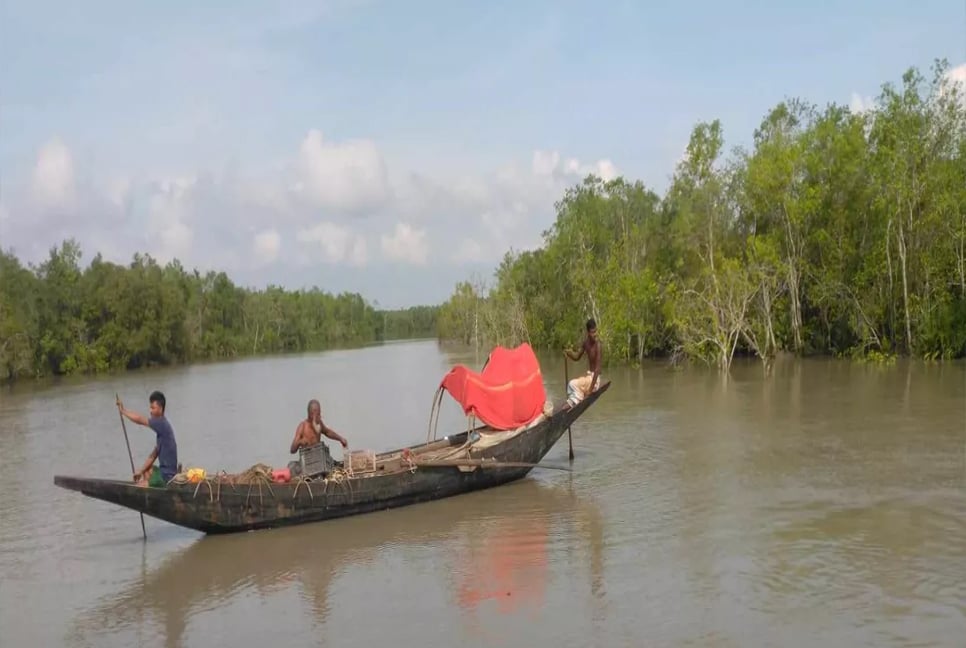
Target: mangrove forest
59	318
839	232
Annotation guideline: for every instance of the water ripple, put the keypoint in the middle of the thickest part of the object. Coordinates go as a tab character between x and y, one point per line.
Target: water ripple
813	508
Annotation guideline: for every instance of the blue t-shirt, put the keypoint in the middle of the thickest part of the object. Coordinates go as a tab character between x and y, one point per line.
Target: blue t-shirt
167	446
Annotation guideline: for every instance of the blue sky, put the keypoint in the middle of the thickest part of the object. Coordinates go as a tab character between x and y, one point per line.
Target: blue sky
392	148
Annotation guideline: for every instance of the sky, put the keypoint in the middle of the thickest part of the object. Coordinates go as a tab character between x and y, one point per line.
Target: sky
389	148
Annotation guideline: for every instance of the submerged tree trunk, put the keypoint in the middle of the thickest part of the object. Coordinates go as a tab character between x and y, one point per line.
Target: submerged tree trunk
794	290
961	257
892	288
901	237
796	306
770	340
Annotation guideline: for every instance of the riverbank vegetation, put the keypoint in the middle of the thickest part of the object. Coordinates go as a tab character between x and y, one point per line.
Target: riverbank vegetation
838	232
59	318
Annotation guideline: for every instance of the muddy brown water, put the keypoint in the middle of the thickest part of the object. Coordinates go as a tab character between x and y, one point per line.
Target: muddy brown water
823	506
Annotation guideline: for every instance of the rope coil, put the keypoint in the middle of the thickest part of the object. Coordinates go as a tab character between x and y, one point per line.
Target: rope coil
308	485
261	474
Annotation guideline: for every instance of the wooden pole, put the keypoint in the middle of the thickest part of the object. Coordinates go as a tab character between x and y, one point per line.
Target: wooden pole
570	438
129	456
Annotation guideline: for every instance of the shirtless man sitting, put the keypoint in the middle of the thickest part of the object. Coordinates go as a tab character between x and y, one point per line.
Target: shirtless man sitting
309	432
581	387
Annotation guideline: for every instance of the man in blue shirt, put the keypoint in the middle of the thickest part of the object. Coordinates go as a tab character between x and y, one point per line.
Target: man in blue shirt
166	448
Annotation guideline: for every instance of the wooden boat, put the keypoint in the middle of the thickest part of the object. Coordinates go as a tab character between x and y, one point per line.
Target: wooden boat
478	458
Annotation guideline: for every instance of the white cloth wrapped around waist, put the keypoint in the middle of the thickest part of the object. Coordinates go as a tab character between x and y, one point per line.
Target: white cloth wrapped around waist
580	387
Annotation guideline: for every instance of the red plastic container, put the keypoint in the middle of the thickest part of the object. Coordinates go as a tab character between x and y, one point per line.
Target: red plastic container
282	475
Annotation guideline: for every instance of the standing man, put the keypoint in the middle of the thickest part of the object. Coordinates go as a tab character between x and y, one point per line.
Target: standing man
309	432
165	449
579	388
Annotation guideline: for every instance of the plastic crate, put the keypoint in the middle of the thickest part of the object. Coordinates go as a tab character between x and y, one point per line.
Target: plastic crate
316	460
360	461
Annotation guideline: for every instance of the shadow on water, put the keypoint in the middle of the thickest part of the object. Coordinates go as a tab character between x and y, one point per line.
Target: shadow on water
492	548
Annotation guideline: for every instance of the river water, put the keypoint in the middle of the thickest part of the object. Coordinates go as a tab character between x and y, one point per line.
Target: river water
822	506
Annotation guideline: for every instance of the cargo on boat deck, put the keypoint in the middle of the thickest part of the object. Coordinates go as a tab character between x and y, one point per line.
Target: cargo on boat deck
360	461
316	460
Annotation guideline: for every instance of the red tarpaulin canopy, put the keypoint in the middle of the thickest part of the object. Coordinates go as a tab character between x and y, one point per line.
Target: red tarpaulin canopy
508	392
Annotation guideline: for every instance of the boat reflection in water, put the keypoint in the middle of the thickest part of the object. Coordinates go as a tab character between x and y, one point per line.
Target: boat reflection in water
490	546
506	564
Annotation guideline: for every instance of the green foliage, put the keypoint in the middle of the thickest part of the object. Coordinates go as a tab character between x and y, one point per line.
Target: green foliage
59	319
407	324
838	233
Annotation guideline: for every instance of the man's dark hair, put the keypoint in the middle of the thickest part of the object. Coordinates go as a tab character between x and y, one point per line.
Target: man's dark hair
591	324
157	397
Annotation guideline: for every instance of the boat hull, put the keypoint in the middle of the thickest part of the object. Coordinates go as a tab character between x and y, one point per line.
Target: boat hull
216	508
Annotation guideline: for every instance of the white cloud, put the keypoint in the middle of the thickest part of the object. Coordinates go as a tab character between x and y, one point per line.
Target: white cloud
545	163
358	253
406	245
956	77
266	246
350	177
53	177
549	163
859	104
168	211
117	190
607	170
507	208
958	74
333	200
338	244
176	239
468	251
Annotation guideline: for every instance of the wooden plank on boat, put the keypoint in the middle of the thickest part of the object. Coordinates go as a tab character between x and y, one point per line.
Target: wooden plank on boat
486	463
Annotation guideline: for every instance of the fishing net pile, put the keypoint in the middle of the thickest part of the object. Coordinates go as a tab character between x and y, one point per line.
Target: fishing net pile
259	473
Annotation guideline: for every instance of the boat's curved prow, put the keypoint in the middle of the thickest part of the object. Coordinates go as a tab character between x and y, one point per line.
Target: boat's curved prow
81	484
110	490
162	503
